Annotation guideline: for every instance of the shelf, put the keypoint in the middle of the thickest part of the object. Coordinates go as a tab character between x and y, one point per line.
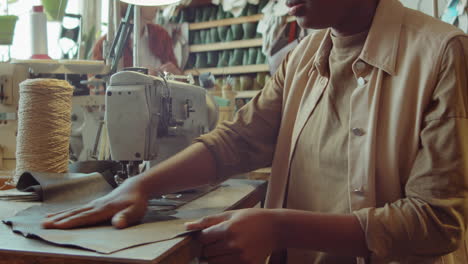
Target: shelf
38	66
196	3
225	22
231	70
227	45
231	21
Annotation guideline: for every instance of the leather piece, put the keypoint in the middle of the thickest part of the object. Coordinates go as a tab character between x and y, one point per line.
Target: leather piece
65	191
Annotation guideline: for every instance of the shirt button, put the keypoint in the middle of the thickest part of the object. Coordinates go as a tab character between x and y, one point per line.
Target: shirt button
360	66
358	131
359	190
361	81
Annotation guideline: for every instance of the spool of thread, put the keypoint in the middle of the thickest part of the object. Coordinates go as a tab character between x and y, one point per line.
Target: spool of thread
44	126
38	27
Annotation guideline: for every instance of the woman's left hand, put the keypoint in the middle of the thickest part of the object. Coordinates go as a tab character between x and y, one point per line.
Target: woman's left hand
168	67
242	236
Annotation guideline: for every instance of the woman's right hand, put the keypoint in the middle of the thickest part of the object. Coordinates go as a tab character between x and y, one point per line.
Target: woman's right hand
125	206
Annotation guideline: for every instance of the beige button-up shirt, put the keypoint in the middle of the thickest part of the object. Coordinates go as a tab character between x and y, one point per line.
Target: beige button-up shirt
408	151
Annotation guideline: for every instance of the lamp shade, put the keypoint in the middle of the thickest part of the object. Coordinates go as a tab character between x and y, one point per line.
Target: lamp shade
151	2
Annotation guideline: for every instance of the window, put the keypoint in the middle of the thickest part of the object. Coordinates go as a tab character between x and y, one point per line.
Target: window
21	47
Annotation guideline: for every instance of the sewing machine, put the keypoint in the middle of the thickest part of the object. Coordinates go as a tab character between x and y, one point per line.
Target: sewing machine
143	118
151	118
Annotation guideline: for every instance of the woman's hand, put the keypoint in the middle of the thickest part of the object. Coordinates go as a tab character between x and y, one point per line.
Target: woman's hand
243	236
167	67
125	206
170	67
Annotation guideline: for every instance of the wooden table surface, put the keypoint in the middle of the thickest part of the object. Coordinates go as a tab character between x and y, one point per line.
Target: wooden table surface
15	249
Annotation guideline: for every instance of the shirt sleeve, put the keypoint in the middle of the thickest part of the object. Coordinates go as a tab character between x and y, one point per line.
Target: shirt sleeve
248	142
430	219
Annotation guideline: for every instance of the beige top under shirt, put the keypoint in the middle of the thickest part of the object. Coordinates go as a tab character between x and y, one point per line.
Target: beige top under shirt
319	167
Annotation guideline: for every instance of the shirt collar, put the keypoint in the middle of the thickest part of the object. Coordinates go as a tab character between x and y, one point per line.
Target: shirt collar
381	46
322	54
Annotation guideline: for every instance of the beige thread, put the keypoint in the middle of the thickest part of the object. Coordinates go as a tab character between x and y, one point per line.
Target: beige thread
44	126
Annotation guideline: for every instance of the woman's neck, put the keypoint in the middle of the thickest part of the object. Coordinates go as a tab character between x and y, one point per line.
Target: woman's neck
358	20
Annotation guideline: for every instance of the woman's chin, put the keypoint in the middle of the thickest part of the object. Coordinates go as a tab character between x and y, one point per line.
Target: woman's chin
306	22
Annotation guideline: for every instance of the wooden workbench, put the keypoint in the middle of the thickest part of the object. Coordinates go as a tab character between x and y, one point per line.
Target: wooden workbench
15	249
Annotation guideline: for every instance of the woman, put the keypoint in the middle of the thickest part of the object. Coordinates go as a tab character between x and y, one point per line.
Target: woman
156	51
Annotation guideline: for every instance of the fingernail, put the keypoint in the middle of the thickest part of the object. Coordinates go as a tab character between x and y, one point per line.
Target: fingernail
120	222
190	223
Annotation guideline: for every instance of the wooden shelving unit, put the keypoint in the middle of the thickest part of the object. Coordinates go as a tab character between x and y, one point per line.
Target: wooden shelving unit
242	69
225	22
196	3
230	21
247	43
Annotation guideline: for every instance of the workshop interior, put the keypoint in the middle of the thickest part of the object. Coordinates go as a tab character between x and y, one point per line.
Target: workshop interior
84	100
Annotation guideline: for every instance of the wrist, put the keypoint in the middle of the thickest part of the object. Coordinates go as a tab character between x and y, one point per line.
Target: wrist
141	185
279	224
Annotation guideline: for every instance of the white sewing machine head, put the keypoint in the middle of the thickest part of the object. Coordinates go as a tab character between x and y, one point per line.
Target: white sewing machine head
149	118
